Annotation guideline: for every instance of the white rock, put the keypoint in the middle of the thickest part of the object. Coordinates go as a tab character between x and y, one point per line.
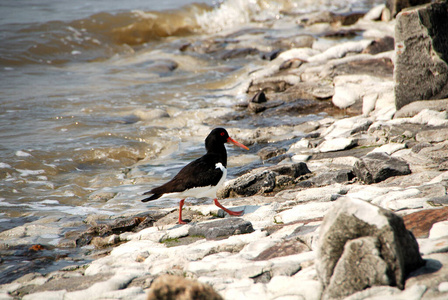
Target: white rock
283	286
176	232
438	245
337	144
151	233
321	194
301	158
373	91
389	148
385	292
367	193
340	50
6	296
394	195
303	212
346	95
415	292
375	13
440	178
245	289
301	145
117	282
439	229
443	287
134	293
260	216
346	127
48	295
254	249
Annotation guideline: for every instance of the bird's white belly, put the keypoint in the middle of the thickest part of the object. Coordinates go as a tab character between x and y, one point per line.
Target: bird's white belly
203	191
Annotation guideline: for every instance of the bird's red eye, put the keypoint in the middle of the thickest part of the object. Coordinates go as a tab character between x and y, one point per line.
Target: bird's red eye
222	133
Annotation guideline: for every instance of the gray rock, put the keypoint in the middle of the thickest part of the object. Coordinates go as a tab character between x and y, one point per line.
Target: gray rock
421	43
221	228
378	166
353	229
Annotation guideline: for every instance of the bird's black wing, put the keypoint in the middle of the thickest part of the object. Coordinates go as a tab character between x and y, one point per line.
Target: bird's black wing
198	173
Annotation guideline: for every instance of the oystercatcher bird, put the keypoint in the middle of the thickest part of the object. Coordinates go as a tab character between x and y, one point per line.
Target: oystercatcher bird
202	177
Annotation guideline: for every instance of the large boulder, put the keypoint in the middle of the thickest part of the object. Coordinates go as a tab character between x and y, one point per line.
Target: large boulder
363	245
421	47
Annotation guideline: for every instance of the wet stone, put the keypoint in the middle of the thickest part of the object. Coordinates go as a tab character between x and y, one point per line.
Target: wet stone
221	228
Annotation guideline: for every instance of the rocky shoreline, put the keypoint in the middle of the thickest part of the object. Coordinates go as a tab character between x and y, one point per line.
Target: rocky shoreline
388	166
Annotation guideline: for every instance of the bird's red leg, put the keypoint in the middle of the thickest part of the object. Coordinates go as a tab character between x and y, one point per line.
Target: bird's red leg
232	213
181	204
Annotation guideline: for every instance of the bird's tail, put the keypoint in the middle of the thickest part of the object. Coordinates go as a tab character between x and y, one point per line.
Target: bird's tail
152	197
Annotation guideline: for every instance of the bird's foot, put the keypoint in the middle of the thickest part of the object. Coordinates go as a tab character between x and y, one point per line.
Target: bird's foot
181	222
234	213
230	212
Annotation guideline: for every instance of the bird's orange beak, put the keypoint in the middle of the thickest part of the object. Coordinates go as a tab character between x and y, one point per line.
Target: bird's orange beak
230	140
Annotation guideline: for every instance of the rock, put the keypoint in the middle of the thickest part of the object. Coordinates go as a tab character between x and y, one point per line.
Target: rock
261	180
337	144
439	229
270	151
221	228
376	167
294	170
250	184
389	148
430	277
331	177
347	127
413	108
380	45
421	67
170	287
284	248
432	136
420	222
259	97
361	258
235	53
395	6
302	212
352	227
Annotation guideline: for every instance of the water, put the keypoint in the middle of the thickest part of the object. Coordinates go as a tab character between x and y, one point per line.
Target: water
90	89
